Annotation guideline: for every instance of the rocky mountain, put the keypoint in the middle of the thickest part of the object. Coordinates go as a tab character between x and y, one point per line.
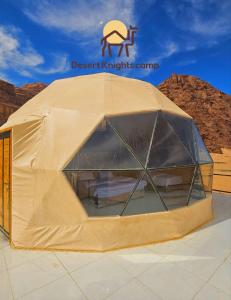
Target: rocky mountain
11	97
209	107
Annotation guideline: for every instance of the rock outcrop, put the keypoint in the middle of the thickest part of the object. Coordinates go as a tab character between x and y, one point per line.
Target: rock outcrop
209	107
11	97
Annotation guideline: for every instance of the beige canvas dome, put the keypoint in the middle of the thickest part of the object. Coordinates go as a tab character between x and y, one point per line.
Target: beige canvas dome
71	188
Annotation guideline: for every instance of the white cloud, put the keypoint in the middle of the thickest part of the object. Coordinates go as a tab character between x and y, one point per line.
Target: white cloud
186	62
59	65
17	54
167	50
77	16
207	18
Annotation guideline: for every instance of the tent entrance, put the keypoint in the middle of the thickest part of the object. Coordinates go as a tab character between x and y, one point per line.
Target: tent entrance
5	182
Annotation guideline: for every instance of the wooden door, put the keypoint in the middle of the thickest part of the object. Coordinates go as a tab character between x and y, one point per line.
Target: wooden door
5	181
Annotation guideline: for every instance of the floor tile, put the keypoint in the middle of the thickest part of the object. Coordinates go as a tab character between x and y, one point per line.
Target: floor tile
62	289
171	282
209	292
165	248
135	260
3	241
5	288
35	273
74	260
201	264
222	277
16	257
101	278
134	290
2	262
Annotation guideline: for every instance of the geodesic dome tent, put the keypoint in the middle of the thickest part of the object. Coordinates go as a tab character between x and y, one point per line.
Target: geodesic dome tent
101	162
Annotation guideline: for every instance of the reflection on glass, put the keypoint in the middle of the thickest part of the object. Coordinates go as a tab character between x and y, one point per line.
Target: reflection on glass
197	192
167	149
104	150
140	163
136	130
183	128
144	199
173	185
207	177
202	153
103	193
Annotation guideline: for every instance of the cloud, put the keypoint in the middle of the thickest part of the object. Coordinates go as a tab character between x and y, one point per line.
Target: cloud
167	50
77	16
186	62
206	18
17	54
60	64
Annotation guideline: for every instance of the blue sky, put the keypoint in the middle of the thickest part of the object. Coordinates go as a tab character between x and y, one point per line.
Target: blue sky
39	39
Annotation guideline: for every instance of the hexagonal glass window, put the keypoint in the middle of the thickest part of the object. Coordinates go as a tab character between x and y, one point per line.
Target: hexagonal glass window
140	163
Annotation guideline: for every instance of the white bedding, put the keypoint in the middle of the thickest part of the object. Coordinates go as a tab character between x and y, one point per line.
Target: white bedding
166	180
117	186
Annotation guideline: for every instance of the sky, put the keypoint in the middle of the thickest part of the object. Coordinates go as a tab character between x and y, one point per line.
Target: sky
39	39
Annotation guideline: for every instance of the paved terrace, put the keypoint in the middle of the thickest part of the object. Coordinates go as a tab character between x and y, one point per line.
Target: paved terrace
195	267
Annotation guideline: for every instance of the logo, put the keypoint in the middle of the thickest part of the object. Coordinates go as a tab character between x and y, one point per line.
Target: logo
115	33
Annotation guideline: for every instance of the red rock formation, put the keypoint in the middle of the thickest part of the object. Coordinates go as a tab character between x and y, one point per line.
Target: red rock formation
11	97
210	108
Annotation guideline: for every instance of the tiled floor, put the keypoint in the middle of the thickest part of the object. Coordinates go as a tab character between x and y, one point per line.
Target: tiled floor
195	267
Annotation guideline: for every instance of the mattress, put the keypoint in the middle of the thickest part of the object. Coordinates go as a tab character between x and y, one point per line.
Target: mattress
166	180
118	186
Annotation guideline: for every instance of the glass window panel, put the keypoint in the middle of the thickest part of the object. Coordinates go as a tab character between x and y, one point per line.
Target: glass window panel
183	129
197	192
103	193
201	151
173	185
167	149
144	199
207	177
104	150
136	130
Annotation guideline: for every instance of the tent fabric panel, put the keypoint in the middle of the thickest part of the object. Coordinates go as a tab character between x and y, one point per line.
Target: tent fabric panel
102	234
166	104
126	96
64	133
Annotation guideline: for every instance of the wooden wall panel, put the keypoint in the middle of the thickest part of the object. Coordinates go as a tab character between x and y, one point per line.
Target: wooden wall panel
1	185
6	182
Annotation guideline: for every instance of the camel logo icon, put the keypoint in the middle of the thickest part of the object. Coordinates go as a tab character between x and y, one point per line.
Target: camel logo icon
115	33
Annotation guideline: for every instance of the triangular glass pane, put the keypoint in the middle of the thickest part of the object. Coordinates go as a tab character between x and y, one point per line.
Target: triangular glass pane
136	130
183	129
103	193
167	149
197	191
103	150
173	185
201	151
144	199
206	171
